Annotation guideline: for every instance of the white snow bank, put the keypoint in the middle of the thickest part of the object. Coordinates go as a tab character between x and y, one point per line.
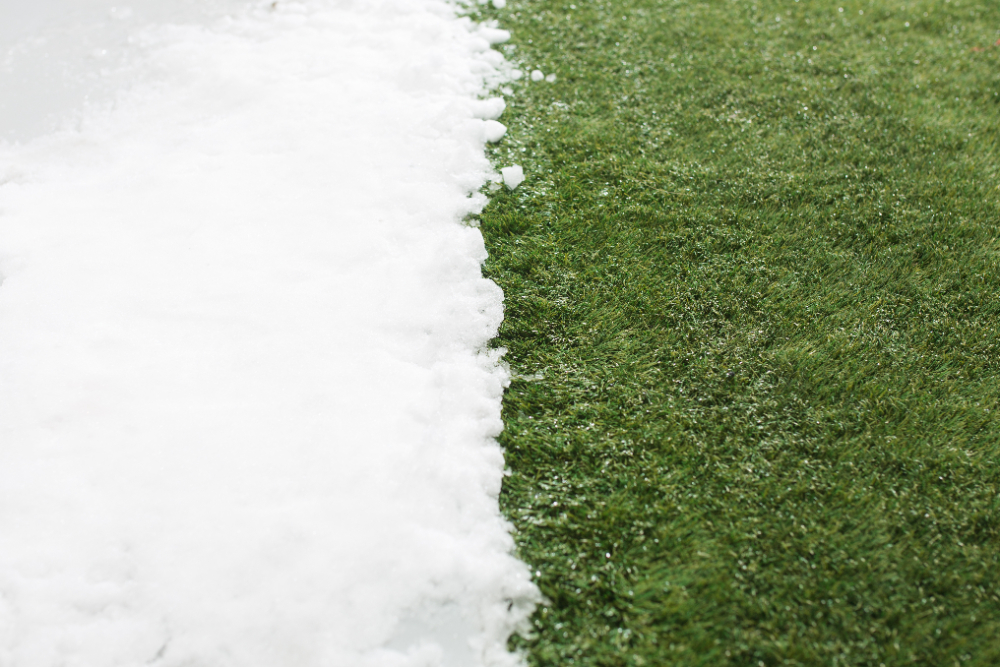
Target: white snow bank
245	412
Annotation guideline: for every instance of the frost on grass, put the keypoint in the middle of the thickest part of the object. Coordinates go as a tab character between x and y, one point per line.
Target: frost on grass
246	414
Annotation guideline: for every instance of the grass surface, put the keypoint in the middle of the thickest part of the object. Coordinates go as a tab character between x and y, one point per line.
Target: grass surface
752	311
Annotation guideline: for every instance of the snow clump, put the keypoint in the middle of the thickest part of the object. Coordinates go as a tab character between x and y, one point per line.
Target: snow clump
494	131
513	176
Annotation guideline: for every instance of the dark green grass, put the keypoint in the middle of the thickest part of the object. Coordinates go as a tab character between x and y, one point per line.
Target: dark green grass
752	310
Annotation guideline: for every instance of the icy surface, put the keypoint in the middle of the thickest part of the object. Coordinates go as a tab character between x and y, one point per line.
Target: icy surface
245	412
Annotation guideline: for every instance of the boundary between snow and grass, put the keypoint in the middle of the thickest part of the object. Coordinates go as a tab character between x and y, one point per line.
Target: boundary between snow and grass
247	407
752	302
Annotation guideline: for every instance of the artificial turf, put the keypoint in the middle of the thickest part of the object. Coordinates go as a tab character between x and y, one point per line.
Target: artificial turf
751	311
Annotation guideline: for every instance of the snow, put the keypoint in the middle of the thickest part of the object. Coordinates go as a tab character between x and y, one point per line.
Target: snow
246	405
513	176
494	131
490	109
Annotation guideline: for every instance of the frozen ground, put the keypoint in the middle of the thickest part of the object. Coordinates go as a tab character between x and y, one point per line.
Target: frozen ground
245	415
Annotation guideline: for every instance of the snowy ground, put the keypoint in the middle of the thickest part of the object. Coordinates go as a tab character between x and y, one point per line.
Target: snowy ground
245	414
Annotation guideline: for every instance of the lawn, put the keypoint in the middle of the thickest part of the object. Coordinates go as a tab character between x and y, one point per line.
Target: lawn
752	309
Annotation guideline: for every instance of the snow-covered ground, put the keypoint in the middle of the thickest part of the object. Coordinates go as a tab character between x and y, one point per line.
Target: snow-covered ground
246	415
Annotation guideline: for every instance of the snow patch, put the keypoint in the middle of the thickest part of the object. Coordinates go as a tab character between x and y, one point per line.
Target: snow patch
246	404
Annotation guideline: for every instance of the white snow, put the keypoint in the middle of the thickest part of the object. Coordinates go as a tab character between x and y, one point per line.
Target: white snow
513	176
494	35
490	109
246	414
494	131
537	75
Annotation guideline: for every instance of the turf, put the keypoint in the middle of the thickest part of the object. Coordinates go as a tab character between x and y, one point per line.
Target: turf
752	302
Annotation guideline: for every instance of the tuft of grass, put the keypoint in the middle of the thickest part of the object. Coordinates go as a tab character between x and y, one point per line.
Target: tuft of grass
752	308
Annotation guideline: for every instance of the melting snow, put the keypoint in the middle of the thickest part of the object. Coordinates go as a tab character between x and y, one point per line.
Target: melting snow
246	412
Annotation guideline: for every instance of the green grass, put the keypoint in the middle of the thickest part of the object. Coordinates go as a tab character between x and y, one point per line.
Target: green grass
752	306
